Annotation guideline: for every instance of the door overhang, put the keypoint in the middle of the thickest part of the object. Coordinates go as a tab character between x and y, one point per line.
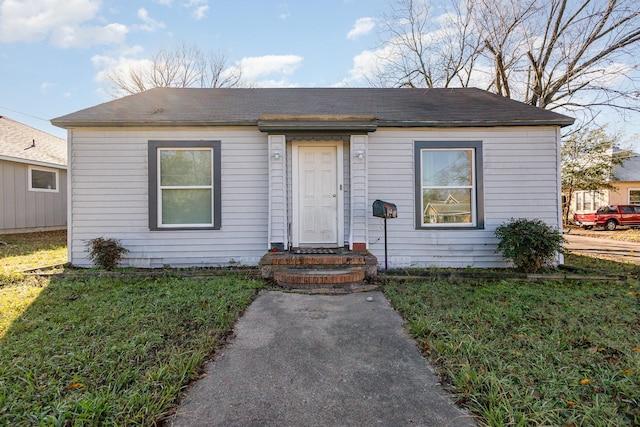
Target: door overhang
290	123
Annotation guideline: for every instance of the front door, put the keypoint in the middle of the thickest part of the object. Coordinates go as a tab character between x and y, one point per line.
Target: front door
317	189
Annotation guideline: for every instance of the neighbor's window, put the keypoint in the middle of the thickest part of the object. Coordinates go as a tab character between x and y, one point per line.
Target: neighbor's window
43	179
588	200
184	185
448	184
634	196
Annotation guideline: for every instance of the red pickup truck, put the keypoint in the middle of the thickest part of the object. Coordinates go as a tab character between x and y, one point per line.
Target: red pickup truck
610	217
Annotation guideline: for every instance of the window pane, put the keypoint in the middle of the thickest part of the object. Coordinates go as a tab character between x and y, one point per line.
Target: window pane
45	180
446	168
634	197
186	206
446	206
185	167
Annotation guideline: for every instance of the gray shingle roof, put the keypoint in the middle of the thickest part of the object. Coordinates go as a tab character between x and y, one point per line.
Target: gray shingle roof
17	142
313	107
629	171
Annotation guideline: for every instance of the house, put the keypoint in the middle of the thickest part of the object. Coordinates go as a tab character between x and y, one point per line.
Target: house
33	179
212	177
626	189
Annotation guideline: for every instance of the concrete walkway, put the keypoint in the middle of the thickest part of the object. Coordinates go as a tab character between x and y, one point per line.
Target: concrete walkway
319	360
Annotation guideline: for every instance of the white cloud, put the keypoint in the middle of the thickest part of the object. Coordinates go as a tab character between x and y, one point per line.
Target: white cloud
200	8
362	27
365	67
83	37
118	60
64	22
200	12
118	67
150	24
286	13
268	70
45	86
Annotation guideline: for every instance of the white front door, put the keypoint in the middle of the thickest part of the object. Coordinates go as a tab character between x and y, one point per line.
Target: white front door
317	190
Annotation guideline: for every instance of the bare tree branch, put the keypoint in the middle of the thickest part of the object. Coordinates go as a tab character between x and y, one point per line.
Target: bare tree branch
177	66
578	55
420	52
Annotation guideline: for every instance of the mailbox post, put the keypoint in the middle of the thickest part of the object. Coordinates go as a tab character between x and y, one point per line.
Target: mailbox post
385	210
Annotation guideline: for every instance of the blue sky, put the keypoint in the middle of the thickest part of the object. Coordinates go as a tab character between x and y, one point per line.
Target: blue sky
54	52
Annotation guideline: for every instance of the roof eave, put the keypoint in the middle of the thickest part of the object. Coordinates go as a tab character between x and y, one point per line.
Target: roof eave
311	126
33	162
475	123
71	124
328	125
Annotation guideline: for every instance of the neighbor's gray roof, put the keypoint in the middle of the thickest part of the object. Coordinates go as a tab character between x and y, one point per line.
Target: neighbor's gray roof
630	169
22	143
313	108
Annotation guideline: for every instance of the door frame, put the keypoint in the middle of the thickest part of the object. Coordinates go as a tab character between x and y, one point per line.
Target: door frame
295	171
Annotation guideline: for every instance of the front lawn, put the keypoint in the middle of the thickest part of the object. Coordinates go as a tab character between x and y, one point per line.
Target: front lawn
516	353
94	350
20	252
109	351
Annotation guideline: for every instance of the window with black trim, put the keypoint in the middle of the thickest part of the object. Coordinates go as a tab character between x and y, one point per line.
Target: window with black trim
448	183
43	179
184	185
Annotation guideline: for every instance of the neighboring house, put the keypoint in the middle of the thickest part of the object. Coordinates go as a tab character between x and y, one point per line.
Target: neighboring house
626	190
208	177
33	179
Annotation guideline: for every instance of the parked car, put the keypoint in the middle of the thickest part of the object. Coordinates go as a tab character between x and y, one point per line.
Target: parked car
610	217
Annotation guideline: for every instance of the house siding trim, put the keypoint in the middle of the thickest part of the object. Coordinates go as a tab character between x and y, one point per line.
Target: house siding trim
277	211
153	182
359	201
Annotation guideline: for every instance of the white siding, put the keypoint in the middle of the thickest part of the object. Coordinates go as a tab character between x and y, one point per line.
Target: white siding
110	198
110	195
520	180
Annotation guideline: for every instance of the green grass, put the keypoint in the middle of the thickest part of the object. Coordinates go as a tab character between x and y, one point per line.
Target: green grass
531	353
120	351
608	266
32	250
109	351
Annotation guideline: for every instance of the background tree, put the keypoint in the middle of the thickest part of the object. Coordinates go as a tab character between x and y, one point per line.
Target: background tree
421	49
589	157
177	66
579	55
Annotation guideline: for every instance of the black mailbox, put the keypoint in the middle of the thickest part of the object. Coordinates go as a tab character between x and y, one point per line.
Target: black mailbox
384	209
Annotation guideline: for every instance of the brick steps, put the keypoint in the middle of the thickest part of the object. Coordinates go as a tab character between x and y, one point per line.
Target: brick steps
334	273
313	278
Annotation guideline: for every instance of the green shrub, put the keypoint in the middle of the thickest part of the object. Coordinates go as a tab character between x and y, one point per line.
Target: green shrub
105	253
529	243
